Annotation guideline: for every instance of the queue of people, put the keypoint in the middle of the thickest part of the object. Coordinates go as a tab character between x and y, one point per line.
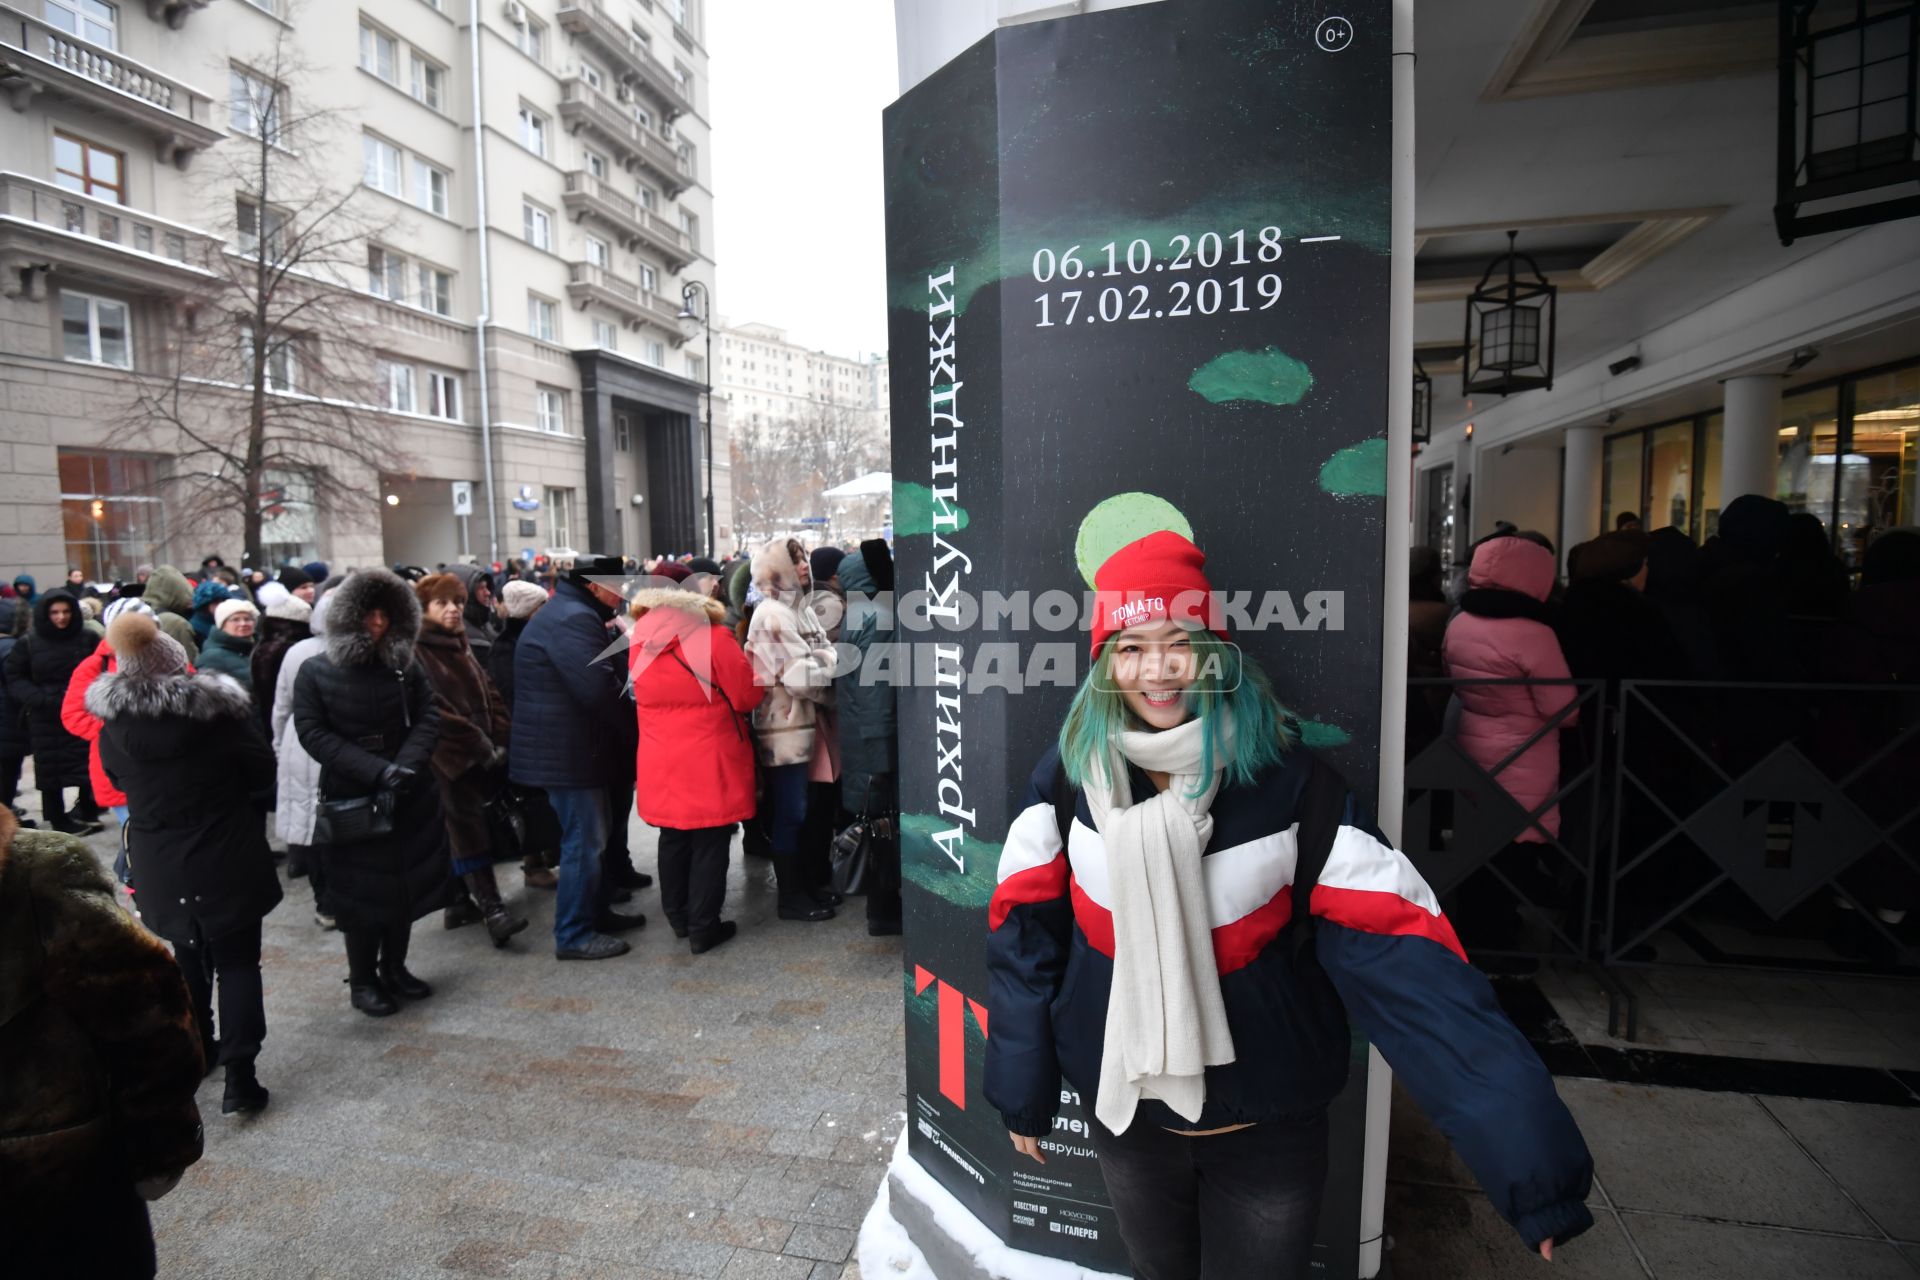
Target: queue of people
410	731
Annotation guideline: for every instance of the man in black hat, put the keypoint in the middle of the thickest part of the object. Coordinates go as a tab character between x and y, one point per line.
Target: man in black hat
572	730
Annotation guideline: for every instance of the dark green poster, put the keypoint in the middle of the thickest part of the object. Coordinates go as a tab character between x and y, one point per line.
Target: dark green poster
1137	268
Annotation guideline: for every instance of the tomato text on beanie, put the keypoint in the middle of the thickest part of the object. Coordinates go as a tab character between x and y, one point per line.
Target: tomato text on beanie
1160	576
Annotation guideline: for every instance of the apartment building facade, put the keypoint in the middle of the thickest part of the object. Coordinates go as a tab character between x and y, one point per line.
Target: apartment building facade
535	176
765	378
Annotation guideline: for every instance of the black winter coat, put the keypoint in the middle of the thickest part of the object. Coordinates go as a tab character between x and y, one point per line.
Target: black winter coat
573	725
37	671
499	659
358	708
199	775
13	716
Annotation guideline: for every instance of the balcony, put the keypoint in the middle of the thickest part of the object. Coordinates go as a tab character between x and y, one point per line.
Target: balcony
588	197
37	57
592	283
636	65
584	107
44	228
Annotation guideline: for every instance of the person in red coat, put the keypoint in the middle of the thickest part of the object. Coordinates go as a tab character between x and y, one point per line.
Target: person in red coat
693	688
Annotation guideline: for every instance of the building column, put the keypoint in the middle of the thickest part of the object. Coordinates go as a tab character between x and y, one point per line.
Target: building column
1750	443
1580	482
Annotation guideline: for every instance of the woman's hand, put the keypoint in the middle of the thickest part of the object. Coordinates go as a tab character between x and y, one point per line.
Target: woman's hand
1546	1248
1027	1146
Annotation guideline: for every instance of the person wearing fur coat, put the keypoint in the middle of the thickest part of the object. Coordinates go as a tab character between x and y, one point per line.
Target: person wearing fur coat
99	1061
793	660
693	689
469	762
203	873
364	711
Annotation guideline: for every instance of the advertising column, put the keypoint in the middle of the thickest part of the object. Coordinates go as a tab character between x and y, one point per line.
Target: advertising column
1137	278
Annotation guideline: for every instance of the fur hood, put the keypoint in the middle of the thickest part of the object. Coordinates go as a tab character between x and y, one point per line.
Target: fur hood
202	696
775	573
348	644
701	607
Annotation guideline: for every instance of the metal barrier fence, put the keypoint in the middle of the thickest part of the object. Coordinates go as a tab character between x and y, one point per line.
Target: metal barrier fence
1708	812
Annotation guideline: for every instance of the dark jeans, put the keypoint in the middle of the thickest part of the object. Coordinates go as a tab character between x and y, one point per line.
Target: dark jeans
693	876
227	966
785	804
368	951
1235	1206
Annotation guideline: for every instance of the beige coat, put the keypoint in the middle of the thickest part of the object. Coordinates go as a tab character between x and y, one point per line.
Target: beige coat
792	660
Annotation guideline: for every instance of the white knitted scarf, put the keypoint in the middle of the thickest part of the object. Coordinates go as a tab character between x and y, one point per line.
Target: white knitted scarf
1166	1022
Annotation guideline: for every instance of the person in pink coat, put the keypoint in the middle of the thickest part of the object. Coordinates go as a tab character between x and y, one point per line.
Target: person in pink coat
1501	633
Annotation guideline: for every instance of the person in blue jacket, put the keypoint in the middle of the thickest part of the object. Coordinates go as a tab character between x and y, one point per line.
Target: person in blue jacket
1148	962
573	735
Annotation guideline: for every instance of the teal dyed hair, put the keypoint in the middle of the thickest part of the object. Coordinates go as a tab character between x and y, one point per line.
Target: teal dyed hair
1229	682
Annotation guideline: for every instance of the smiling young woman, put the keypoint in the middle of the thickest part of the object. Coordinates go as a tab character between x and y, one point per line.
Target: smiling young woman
1144	955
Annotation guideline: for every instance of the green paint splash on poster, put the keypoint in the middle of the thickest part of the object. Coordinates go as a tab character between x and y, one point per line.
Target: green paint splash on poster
913	511
1265	377
1317	735
1357	471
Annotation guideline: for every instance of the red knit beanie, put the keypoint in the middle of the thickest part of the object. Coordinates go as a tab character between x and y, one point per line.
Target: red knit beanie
1160	576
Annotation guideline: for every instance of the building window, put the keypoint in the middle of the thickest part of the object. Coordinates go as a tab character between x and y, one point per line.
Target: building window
542	319
649	279
550	408
381	164
396	385
89	168
379	53
429	82
111	514
533	131
604	336
280	363
386	274
597	165
622	433
656	354
248	222
94	330
690	225
443	395
430	186
677	10
253	105
641	40
532	39
536	225
697	368
648	199
599	254
436	290
592	75
91	20
560	518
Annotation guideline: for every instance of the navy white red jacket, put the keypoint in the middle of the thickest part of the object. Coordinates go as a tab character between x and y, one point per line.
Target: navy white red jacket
1383	955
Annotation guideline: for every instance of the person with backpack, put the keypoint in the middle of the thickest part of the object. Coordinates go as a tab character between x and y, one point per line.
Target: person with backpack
1190	908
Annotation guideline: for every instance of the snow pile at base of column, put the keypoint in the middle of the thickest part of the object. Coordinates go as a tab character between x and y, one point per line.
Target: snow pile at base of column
887	1251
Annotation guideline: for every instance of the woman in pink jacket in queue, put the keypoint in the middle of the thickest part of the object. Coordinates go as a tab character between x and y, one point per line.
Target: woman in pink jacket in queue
1502	633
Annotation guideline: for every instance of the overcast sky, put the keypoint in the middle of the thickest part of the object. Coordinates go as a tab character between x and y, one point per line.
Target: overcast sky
796	98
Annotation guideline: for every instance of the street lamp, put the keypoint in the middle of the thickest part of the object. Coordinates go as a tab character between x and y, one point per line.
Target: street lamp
705	316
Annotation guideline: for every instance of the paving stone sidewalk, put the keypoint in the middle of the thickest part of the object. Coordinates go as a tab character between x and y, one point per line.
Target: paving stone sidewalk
654	1117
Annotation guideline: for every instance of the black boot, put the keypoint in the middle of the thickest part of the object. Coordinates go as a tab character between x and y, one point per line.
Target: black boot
502	923
796	902
707	939
463	912
244	1093
395	978
372	999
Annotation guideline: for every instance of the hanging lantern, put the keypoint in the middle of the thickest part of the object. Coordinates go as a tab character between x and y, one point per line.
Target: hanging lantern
1509	328
1848	77
1422	404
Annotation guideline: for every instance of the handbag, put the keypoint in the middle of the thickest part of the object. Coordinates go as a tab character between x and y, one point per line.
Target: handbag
852	856
353	820
506	815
